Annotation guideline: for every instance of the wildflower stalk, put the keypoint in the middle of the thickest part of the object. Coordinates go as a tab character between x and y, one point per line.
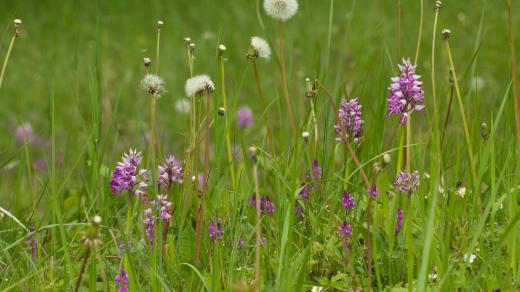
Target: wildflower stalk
257	284
224	100
284	76
398	29
16	34
200	219
436	165
513	69
447	117
464	120
419	37
264	108
159	24
352	154
82	270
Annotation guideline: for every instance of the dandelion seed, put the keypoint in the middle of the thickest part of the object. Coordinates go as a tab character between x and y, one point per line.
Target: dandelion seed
348	201
387	159
221	111
405	182
122	279
147	62
350	119
281	9
399	224
406	94
244	117
153	85
199	85
259	48
305	136
170	172
221	49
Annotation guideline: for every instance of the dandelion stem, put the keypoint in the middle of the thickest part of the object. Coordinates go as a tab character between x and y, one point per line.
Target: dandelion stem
464	121
447	118
157	49
258	227
82	270
419	37
7	58
224	99
200	219
284	77
513	69
264	108
398	29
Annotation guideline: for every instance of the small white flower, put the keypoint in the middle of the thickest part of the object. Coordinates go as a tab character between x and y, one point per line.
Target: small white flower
316	289
96	220
461	191
182	106
281	9
153	85
260	48
469	257
305	135
17	22
199	85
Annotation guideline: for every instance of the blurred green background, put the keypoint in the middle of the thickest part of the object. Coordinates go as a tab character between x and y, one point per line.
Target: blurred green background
88	54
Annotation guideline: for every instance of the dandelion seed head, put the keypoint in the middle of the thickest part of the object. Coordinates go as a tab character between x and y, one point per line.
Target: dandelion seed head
281	9
199	85
260	48
153	85
147	62
182	106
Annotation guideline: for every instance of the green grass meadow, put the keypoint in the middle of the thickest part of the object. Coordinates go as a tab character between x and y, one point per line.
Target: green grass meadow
74	74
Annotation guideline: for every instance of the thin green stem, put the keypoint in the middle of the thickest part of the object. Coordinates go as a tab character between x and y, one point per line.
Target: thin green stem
11	44
513	69
284	77
257	283
265	115
464	121
419	37
227	128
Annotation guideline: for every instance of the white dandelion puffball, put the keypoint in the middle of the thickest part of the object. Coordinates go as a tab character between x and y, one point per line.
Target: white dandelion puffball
199	85
260	47
153	85
182	106
281	9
